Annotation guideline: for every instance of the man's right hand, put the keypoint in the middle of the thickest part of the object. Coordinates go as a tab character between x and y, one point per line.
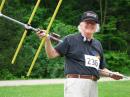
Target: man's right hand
41	33
51	52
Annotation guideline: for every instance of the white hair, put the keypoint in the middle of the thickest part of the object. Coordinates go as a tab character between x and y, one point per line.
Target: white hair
97	28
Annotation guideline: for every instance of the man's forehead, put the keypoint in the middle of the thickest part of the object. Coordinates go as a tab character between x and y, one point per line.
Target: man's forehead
90	21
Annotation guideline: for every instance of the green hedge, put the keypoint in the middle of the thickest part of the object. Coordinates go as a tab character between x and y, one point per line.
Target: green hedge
117	61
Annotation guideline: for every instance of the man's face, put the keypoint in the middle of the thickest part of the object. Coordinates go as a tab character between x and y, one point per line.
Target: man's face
88	27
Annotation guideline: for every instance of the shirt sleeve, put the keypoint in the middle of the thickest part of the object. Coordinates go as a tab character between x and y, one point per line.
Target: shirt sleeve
62	47
102	60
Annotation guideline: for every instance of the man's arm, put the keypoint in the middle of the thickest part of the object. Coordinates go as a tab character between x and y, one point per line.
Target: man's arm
104	71
50	50
107	73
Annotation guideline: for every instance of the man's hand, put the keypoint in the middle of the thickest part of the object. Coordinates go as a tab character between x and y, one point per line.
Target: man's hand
50	50
53	36
116	75
107	73
41	33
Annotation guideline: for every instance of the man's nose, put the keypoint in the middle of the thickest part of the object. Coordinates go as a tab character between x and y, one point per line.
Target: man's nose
89	25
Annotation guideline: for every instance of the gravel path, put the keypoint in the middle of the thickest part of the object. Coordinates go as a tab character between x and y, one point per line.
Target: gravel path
43	81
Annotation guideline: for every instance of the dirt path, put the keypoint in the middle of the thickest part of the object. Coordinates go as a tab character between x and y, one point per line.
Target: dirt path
42	81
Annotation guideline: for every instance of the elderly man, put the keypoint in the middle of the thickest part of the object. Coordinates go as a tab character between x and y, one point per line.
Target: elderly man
84	58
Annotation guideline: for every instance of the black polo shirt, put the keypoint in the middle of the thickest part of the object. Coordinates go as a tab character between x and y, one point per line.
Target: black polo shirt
73	48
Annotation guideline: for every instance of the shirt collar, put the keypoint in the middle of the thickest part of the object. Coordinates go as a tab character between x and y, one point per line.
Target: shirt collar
85	39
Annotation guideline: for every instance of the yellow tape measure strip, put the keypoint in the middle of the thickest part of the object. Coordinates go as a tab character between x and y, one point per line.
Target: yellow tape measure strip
43	40
25	32
2	5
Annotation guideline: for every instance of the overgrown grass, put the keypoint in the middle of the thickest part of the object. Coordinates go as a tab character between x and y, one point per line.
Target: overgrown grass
106	89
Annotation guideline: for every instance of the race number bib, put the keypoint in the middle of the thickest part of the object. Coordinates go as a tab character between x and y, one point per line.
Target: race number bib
92	61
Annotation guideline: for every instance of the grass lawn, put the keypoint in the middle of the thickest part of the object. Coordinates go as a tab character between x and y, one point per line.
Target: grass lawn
106	89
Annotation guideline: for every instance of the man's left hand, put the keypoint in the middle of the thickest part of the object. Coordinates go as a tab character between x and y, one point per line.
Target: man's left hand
116	75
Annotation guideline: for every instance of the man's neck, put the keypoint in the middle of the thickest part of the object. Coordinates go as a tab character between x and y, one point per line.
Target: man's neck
88	37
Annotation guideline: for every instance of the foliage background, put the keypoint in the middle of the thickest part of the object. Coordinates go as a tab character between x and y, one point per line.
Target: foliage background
114	35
